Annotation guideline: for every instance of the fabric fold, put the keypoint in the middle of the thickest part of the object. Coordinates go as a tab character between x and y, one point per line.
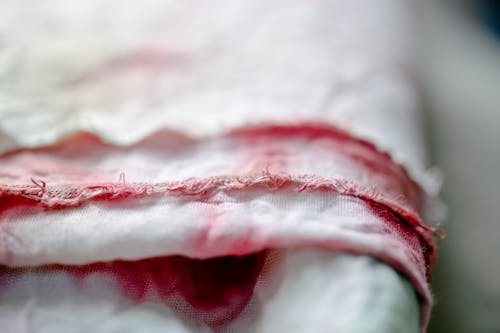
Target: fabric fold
180	153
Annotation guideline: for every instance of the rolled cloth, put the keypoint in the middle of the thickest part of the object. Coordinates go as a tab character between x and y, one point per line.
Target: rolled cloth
227	166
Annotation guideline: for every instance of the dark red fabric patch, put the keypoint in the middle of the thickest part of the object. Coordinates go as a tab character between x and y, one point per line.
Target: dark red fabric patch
216	289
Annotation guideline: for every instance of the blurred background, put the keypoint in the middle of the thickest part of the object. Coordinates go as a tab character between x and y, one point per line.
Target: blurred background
461	86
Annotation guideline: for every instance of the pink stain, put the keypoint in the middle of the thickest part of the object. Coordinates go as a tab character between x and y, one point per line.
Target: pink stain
216	289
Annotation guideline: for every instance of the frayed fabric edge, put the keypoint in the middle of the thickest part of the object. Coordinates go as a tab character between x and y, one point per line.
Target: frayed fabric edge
429	181
66	196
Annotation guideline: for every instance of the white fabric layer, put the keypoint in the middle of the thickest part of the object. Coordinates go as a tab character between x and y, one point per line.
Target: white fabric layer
168	158
234	222
373	298
81	166
203	69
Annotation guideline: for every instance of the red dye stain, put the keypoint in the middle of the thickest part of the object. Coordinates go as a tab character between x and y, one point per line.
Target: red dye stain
13	206
364	153
215	290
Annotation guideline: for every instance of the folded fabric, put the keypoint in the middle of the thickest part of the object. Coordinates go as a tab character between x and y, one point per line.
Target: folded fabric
195	166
